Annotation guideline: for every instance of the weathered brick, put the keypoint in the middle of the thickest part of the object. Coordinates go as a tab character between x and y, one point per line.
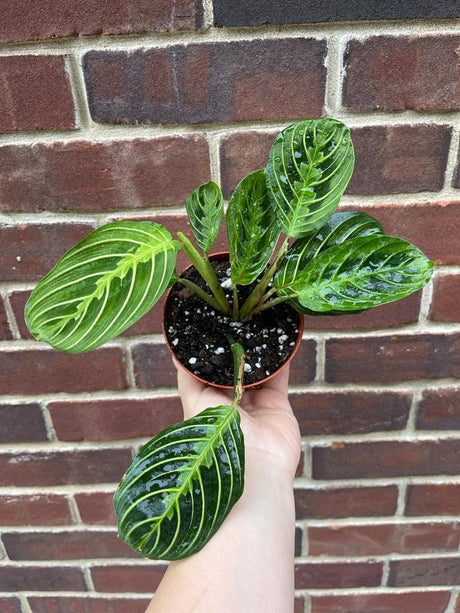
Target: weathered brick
22	423
15	578
96	508
394	73
123	578
398	158
35	93
445	306
350	412
65	545
86	604
439	410
48	19
409	602
393	358
44	371
10	605
34	510
345	502
335	575
110	175
395	459
63	467
101	420
261	12
433	499
433	226
29	251
5	331
153	366
384	539
425	571
264	79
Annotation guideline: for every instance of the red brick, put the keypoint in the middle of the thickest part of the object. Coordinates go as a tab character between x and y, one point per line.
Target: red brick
456	179
394	73
18	301
50	19
44	371
345	502
63	467
445	305
10	605
123	578
433	227
35	93
87	604
22	423
65	545
439	410
395	459
398	158
350	412
383	539
410	602
34	510
384	359
29	251
335	575
264	80
426	572
110	175
5	331
96	508
433	499
15	578
303	365
299	604
101	420
153	366
242	153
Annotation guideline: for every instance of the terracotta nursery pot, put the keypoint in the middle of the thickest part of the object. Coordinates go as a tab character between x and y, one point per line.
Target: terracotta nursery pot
197	335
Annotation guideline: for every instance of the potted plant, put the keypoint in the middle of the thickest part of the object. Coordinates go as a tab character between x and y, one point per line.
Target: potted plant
288	249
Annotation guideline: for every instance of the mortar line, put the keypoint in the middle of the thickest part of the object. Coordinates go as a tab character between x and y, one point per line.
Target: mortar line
10	316
214	141
77	81
401	502
452	157
208	14
333	93
25	606
452	601
385	572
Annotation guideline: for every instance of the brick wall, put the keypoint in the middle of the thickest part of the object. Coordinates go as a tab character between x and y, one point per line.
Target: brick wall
118	110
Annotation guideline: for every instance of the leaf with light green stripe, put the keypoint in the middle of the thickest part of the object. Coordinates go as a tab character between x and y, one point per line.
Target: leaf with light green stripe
103	285
251	228
309	167
205	211
362	273
181	485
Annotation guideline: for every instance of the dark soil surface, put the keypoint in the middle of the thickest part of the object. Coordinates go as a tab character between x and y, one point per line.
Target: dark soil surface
198	333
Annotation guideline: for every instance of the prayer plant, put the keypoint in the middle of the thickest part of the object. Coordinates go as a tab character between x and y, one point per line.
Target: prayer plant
287	242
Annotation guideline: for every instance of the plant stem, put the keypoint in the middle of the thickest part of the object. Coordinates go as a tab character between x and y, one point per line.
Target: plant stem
238	366
268	305
204	267
236	306
256	296
196	289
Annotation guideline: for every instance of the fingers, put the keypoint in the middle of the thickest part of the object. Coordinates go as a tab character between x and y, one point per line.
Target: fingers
279	383
197	396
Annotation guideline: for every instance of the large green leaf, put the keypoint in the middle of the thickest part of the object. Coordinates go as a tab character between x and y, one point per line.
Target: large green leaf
181	485
362	273
309	167
251	227
339	228
102	285
205	211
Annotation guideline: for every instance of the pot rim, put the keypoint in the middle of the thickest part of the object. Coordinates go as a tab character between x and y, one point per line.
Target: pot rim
221	256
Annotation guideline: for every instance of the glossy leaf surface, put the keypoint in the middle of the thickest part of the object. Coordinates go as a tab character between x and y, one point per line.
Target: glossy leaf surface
251	227
362	273
309	167
102	285
341	227
181	485
205	211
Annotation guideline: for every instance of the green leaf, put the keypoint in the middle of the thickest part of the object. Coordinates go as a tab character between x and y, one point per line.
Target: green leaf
205	211
102	285
181	485
309	167
362	273
251	227
341	227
